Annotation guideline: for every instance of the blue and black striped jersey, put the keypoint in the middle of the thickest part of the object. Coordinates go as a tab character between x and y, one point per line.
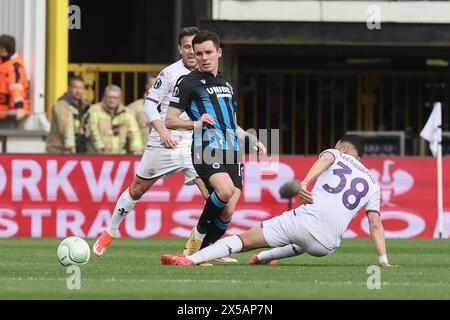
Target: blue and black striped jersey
197	93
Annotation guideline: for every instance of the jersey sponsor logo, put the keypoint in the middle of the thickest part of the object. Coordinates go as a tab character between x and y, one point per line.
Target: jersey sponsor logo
218	89
203	81
220	92
229	86
223	95
157	84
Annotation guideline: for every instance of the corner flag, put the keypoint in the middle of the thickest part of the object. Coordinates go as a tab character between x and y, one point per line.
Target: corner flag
432	132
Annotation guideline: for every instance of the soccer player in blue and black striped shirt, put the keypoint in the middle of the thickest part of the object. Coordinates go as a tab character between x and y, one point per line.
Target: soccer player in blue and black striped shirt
210	102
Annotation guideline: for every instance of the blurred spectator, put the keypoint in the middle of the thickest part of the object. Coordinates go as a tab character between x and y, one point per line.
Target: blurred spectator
138	108
111	127
66	132
14	101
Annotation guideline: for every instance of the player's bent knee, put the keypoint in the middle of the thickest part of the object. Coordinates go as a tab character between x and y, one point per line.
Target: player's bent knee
226	193
227	214
202	187
319	252
247	244
135	192
139	187
252	243
253	239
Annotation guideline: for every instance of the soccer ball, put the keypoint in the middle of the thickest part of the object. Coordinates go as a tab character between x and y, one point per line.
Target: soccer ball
73	251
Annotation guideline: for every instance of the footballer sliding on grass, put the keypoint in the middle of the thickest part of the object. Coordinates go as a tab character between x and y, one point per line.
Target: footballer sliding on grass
344	186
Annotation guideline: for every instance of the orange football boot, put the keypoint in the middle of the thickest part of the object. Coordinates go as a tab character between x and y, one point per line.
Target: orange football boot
102	244
255	261
176	261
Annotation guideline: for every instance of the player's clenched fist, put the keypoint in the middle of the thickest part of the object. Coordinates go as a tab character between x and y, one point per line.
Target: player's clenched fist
207	119
168	141
260	147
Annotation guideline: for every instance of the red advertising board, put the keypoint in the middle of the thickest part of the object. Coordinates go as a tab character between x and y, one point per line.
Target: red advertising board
59	196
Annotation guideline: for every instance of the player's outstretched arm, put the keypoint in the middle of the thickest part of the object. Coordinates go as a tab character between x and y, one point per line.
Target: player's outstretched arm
324	162
377	233
174	122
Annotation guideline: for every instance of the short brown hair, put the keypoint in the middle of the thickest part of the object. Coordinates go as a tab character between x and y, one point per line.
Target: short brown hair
357	142
75	78
188	31
205	35
9	43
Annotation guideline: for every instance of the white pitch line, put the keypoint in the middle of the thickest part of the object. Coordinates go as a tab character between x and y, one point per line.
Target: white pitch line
126	280
233	281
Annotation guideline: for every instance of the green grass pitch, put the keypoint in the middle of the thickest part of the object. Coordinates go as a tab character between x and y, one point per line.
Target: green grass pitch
131	270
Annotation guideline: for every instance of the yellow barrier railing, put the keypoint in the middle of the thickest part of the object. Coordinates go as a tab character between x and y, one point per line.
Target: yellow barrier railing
99	75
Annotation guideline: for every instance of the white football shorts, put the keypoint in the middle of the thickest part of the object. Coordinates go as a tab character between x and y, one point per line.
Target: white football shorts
286	229
161	162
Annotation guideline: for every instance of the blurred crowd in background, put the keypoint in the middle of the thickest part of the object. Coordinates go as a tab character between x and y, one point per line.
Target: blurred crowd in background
105	127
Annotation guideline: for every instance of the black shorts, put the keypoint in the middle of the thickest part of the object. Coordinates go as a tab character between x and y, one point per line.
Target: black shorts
205	170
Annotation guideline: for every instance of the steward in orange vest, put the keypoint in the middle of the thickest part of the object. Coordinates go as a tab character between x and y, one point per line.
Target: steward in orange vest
14	99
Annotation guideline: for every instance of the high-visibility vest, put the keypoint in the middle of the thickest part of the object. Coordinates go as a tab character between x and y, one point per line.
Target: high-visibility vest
13	86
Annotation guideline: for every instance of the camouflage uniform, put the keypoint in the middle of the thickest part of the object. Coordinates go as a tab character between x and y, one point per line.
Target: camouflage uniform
66	132
144	124
112	134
